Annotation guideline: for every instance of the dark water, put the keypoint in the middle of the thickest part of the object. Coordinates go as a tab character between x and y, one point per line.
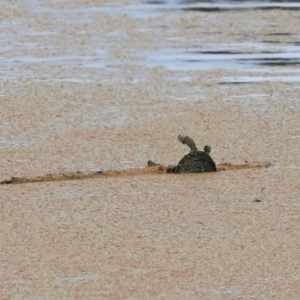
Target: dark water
226	56
270	50
275	49
219	6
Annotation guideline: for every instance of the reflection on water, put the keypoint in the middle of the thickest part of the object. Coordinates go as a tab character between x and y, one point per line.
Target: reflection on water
221	56
222	5
24	48
263	54
259	79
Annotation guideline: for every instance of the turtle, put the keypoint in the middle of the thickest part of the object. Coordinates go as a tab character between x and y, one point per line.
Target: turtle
195	162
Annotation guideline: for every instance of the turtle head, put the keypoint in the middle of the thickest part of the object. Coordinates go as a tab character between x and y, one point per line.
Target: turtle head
181	138
207	149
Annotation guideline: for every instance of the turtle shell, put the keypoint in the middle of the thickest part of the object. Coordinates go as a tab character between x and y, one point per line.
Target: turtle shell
195	162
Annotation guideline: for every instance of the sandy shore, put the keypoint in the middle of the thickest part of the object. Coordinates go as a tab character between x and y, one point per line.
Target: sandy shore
196	236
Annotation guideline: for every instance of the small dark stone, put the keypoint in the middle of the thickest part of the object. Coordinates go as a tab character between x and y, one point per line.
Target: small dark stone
98	172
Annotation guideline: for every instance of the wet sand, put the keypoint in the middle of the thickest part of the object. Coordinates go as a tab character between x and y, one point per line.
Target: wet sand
194	236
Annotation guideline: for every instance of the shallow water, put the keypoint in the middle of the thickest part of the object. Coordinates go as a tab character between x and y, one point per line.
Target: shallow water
189	44
223	5
25	47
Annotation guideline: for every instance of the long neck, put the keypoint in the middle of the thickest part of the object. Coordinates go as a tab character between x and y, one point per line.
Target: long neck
189	142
